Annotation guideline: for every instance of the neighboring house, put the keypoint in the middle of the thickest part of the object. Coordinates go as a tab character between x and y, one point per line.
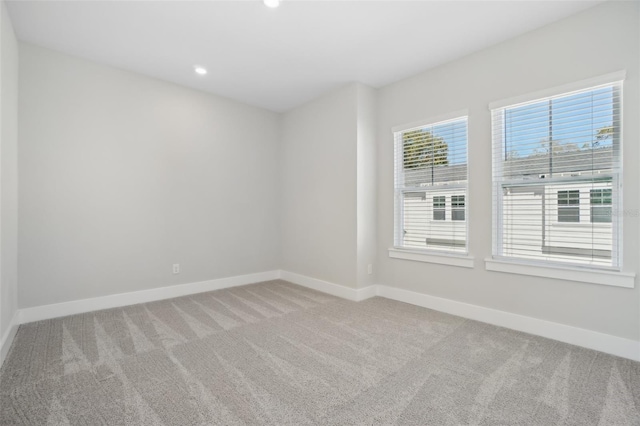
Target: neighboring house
564	215
436	218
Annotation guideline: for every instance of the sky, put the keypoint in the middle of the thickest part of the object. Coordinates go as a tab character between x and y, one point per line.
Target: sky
574	122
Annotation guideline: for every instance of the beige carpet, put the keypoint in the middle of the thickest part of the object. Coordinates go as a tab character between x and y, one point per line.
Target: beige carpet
278	354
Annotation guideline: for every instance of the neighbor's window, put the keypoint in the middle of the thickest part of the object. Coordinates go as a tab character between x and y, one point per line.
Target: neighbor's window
557	178
439	207
431	185
457	207
569	206
600	205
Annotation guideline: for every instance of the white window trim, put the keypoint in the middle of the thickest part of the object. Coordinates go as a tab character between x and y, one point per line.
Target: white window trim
433	256
430	256
566	273
550	270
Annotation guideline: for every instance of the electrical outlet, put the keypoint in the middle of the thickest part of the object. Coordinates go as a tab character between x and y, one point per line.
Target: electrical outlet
370	269
176	268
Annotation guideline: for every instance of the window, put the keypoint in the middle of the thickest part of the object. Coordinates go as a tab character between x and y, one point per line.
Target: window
569	206
600	205
457	207
557	178
439	208
431	160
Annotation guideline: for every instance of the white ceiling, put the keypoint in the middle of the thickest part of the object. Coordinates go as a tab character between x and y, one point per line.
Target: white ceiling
279	58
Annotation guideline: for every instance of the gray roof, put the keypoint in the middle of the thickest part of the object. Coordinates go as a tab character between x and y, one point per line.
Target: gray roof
434	175
532	166
575	161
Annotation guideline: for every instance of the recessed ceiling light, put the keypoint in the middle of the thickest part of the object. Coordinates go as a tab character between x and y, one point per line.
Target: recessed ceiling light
271	3
200	70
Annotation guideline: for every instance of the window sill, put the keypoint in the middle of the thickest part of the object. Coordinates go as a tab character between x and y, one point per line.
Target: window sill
567	273
461	260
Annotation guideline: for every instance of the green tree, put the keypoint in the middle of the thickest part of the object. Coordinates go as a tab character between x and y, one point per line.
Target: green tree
603	134
423	149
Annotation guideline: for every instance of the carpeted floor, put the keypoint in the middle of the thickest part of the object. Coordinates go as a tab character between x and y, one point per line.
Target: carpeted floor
278	354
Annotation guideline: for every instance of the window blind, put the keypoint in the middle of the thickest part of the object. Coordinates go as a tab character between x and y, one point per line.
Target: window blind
556	177
431	186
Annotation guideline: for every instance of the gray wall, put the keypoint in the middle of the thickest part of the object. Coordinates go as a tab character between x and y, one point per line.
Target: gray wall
598	41
318	184
8	173
122	175
328	187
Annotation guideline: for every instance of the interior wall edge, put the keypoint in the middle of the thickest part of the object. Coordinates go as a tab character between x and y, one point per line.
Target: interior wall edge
338	290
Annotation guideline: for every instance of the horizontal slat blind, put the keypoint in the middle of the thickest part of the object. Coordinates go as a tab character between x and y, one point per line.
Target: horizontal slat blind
556	176
431	187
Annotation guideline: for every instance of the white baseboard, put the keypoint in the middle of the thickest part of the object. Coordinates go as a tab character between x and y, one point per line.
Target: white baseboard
602	342
330	288
8	337
366	293
614	345
39	313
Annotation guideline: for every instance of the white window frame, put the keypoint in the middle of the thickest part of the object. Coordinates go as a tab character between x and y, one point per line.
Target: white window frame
550	269
429	255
